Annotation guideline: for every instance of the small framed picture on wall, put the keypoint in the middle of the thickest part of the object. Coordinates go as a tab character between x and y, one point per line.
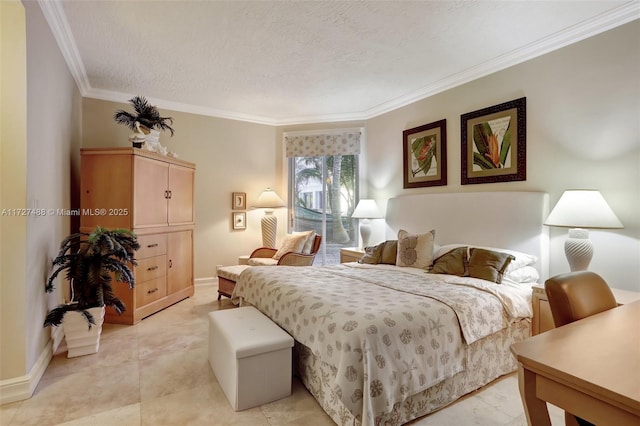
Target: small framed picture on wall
239	201
239	220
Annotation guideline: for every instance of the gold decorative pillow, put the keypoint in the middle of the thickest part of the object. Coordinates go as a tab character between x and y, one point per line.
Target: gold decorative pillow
454	262
488	265
372	254
389	252
292	242
415	250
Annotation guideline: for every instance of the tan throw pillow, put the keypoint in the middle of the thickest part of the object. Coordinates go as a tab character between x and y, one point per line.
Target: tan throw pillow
372	254
488	265
291	242
308	243
415	250
454	262
389	252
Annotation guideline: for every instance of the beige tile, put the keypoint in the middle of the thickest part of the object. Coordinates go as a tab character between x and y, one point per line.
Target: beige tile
174	372
467	411
8	411
128	415
82	394
202	405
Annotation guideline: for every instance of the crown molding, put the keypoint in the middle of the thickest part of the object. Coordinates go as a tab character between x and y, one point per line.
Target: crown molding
57	20
630	11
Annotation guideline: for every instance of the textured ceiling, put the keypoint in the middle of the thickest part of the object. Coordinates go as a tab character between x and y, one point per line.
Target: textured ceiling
281	62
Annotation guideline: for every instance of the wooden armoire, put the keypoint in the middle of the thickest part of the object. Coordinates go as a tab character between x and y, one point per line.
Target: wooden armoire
152	195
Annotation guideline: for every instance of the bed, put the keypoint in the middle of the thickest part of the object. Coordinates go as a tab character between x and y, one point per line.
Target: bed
384	344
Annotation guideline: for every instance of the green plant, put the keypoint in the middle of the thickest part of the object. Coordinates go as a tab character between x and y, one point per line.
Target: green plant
146	114
91	262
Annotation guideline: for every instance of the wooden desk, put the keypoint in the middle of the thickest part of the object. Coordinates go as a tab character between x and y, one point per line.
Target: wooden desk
590	368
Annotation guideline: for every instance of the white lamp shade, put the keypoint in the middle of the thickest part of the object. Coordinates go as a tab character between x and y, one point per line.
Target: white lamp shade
367	209
269	200
583	209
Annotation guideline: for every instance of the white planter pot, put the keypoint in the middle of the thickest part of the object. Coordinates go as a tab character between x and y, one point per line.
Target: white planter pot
80	339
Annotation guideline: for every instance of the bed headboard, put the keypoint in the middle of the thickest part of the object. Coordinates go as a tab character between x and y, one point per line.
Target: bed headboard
511	220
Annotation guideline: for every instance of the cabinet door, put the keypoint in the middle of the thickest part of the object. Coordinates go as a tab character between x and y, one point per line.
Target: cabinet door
150	183
180	261
181	195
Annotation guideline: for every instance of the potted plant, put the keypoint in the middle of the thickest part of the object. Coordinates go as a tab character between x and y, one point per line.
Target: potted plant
91	262
147	116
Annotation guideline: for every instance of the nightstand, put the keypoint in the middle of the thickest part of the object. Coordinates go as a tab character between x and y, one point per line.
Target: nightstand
350	254
542	319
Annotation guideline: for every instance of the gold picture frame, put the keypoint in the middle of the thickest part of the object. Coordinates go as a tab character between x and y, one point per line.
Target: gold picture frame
239	201
239	220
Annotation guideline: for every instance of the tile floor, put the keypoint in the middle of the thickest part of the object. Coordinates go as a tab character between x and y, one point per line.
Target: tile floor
157	373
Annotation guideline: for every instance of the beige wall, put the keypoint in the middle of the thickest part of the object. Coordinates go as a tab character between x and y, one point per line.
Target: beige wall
40	176
583	131
13	189
230	156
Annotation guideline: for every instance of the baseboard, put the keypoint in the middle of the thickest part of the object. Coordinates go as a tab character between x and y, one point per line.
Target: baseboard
205	281
22	387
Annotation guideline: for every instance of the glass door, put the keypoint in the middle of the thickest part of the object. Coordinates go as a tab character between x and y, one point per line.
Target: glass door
323	191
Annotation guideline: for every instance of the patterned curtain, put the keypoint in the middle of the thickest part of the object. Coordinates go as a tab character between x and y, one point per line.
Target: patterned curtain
322	145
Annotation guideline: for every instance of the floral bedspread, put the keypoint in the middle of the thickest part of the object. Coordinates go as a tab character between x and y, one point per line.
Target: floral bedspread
389	332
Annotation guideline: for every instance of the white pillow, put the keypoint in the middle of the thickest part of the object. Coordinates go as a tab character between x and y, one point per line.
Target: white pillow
415	250
310	238
526	274
521	259
291	242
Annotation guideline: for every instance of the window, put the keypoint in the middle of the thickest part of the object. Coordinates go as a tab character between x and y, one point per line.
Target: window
323	188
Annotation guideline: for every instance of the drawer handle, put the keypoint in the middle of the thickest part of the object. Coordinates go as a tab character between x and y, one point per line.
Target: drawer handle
152	268
153	290
152	245
170	263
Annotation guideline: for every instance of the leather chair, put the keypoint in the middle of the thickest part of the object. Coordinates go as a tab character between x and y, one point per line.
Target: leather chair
577	295
265	254
572	297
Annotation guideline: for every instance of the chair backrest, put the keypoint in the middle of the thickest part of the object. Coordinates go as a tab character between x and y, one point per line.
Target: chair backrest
316	244
577	295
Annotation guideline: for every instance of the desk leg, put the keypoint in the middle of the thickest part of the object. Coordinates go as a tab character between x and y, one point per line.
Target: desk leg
535	409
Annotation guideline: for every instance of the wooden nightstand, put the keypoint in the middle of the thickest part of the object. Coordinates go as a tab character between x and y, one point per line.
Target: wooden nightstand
350	254
542	319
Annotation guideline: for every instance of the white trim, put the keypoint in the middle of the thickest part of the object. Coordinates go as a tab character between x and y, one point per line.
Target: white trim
22	387
54	14
205	281
57	20
336	131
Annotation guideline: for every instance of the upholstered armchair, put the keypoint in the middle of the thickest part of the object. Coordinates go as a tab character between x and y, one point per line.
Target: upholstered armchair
264	256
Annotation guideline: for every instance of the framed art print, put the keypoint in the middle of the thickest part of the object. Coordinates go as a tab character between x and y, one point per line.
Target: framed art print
239	220
239	201
494	143
424	151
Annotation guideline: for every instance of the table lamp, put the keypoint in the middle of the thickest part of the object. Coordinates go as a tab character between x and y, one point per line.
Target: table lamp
366	209
577	210
269	201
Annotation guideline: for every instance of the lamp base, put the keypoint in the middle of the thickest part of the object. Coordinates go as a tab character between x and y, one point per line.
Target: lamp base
269	224
365	232
578	249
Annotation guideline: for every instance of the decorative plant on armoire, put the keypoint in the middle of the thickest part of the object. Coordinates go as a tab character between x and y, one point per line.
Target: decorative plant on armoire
91	261
148	118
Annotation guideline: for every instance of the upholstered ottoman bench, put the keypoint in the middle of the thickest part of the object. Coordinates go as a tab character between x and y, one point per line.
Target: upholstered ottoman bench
250	356
227	277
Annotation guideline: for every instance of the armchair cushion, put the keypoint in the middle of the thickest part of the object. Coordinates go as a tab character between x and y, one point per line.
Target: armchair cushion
262	261
291	242
310	238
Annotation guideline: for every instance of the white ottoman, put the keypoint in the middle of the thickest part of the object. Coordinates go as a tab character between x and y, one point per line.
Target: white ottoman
250	356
